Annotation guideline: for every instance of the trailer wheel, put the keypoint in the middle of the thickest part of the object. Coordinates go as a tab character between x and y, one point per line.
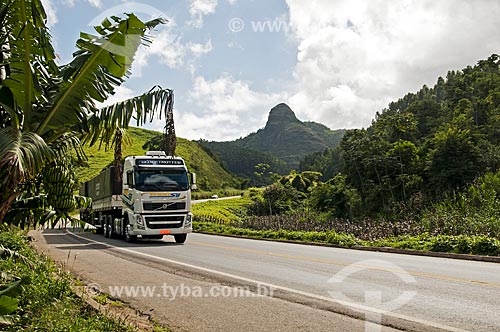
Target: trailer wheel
106	230
112	231
180	238
104	222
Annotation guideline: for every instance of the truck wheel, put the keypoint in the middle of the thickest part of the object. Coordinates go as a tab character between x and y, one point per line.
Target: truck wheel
129	238
106	230
180	238
111	227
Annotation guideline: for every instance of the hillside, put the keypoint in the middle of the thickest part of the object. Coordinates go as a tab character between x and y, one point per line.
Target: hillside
210	174
282	143
426	146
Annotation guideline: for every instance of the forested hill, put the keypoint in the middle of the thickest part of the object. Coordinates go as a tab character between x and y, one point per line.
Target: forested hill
427	144
281	144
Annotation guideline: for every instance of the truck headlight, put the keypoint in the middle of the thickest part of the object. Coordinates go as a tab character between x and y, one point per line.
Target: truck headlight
139	220
189	220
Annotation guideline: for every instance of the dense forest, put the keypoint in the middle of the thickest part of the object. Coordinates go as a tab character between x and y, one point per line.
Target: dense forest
426	146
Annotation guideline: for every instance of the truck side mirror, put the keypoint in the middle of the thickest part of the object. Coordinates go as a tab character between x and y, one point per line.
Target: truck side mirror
193	181
130	180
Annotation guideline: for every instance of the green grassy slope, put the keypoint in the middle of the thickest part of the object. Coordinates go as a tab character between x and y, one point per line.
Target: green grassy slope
210	174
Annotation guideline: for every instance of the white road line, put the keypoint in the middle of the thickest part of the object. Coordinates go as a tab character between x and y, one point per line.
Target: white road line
356	306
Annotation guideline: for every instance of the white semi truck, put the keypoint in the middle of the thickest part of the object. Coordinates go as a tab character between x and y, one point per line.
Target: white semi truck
153	199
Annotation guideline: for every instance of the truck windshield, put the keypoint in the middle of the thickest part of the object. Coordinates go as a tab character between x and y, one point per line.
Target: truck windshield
160	180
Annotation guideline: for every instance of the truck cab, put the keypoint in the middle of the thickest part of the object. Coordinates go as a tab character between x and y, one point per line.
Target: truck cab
156	197
151	199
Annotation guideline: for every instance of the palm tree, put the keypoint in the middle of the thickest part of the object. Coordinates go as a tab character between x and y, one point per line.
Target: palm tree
44	105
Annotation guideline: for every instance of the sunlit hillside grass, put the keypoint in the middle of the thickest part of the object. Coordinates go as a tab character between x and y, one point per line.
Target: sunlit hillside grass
210	174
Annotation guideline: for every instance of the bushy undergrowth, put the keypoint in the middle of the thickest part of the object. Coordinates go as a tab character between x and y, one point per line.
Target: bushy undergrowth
475	211
46	302
330	237
365	229
462	244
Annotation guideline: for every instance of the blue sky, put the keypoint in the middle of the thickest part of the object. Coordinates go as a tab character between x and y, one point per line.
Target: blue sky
336	62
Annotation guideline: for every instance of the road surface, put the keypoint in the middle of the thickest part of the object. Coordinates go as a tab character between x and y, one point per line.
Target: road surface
310	284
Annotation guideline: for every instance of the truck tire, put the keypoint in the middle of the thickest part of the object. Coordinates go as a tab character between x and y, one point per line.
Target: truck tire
106	230
111	227
129	238
180	238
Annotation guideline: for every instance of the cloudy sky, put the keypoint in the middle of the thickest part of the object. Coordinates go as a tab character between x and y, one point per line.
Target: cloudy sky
336	62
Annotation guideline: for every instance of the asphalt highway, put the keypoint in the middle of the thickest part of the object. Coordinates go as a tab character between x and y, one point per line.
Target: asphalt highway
408	292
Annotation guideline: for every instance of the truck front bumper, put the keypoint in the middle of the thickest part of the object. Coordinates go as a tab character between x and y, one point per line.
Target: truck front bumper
162	225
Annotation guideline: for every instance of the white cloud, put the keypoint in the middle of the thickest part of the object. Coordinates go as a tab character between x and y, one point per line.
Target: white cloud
69	3
95	3
200	8
354	57
51	12
121	93
200	49
172	51
230	108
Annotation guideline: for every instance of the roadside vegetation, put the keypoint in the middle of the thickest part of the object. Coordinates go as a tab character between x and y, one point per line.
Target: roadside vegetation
223	211
48	113
466	223
36	295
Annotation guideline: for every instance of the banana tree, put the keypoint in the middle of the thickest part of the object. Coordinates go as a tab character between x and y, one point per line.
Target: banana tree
43	105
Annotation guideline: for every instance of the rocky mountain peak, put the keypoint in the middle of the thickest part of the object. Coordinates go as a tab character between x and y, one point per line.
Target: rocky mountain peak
281	115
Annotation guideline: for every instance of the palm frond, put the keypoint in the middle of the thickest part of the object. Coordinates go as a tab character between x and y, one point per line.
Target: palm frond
22	154
98	67
143	108
26	40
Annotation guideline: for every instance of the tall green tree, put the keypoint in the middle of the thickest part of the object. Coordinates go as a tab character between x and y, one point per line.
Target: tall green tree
44	105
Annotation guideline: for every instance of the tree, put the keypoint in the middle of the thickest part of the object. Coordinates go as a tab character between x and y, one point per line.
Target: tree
453	160
335	197
169	138
44	105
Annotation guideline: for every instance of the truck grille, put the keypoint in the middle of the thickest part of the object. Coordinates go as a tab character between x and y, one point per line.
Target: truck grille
164	206
164	222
